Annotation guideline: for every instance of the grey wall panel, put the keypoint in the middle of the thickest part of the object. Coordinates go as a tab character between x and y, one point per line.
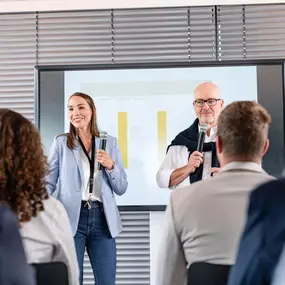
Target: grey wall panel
51	106
17	61
270	94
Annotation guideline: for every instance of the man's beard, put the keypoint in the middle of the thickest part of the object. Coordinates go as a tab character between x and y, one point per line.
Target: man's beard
207	119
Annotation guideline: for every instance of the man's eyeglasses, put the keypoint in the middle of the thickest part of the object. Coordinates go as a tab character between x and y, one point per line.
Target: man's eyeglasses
211	102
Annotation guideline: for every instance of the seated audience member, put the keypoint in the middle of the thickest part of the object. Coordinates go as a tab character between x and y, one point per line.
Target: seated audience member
204	221
44	225
14	269
260	260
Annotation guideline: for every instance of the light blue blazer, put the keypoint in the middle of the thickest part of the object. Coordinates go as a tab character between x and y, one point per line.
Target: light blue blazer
66	175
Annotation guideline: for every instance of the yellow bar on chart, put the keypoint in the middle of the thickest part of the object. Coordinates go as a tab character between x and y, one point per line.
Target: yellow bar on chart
161	135
123	136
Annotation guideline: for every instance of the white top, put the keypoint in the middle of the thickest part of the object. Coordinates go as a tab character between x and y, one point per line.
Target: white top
96	195
48	238
177	157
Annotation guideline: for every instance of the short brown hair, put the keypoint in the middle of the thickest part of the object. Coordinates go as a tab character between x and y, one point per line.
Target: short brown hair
23	166
243	129
71	137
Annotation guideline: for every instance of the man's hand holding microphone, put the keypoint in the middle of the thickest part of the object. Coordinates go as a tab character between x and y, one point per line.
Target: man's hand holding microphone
195	160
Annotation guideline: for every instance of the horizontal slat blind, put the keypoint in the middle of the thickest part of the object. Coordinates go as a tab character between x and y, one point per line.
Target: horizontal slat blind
74	37
231	33
251	32
202	34
169	35
122	36
150	35
133	251
17	61
265	31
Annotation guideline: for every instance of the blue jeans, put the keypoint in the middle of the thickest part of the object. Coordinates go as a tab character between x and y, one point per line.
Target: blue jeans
93	233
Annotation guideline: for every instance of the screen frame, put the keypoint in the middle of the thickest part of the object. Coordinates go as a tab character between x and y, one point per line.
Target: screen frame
149	65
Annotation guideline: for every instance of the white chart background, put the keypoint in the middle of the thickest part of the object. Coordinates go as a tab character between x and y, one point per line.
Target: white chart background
142	93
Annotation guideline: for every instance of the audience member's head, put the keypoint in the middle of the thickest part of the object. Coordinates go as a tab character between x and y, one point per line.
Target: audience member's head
208	103
22	166
243	132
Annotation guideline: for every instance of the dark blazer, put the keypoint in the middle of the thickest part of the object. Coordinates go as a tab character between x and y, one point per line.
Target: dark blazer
14	269
263	238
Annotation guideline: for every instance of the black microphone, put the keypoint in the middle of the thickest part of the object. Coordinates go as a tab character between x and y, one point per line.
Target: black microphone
102	145
201	139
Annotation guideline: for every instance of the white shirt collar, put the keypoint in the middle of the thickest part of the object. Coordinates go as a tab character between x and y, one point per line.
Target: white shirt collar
213	130
234	165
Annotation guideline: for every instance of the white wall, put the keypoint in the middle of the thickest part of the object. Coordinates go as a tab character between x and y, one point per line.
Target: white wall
57	5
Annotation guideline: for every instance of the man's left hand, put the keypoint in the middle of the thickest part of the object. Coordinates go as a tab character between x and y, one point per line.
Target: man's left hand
215	170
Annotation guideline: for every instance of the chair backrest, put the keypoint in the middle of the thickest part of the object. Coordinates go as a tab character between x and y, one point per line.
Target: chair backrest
202	273
54	273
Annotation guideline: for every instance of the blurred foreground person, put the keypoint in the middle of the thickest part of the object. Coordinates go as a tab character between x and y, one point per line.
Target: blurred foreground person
261	255
204	221
44	225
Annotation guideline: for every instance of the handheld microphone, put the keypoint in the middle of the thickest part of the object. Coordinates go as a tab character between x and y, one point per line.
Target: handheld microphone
203	129
102	145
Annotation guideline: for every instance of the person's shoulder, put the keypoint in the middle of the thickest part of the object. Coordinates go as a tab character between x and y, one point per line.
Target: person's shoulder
112	140
258	179
175	149
54	215
4	209
54	206
52	202
61	137
269	197
182	195
196	191
184	202
271	187
110	137
6	215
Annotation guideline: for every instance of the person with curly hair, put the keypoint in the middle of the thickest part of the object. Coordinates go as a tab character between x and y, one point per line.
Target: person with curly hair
86	191
43	222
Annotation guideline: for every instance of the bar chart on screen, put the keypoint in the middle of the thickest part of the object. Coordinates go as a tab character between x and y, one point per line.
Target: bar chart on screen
161	136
